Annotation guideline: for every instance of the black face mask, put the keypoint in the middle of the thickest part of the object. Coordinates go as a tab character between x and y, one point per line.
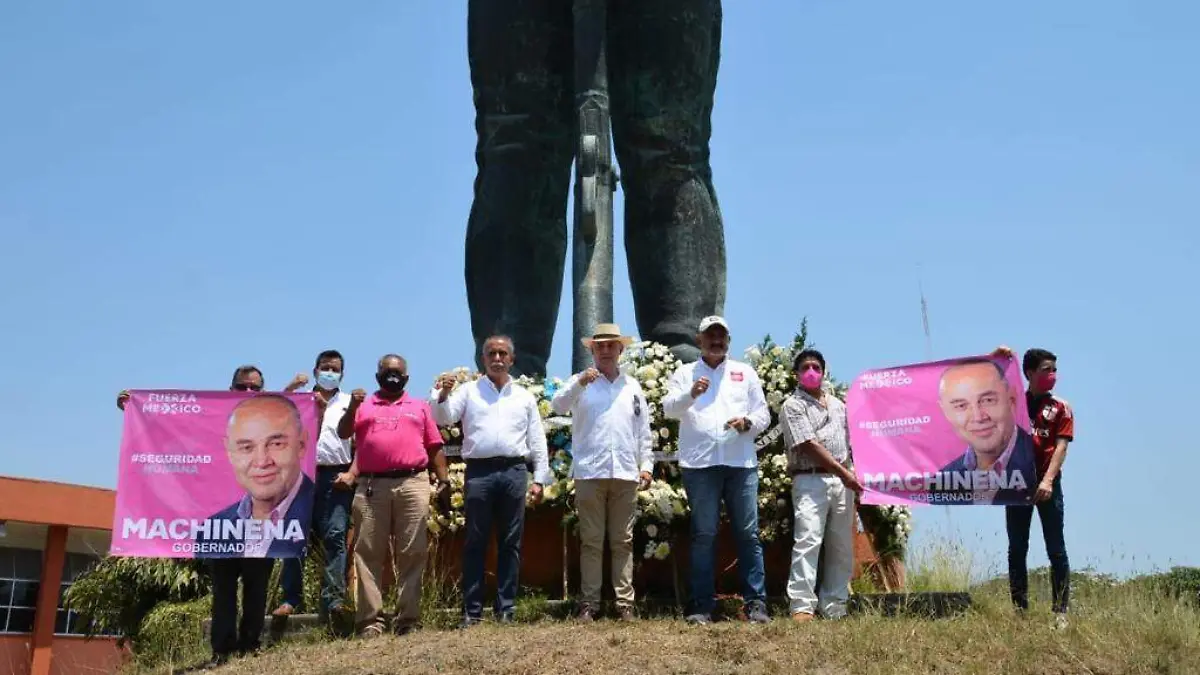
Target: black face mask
392	381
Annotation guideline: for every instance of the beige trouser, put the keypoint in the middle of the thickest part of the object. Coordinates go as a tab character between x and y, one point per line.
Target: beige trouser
824	532
396	512
606	504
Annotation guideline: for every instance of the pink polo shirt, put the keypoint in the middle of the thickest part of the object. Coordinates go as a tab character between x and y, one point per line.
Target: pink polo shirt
394	435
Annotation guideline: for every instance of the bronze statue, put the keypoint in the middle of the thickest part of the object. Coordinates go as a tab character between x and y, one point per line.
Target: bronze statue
539	69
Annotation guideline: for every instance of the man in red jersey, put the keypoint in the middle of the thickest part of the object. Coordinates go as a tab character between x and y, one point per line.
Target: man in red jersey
1053	426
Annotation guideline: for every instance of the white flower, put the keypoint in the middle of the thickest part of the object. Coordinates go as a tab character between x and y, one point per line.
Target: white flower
651	530
664	432
662	550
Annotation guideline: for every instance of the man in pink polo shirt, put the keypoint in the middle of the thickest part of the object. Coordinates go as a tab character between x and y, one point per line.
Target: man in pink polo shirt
396	443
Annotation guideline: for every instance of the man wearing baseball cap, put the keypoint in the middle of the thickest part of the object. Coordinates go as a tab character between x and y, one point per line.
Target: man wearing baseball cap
721	409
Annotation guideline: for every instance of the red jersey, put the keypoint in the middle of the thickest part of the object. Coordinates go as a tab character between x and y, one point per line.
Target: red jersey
1051	419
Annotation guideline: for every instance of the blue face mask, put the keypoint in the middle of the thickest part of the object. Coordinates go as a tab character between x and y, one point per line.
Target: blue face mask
328	380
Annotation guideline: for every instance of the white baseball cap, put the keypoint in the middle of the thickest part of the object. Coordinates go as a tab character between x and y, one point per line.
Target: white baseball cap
710	321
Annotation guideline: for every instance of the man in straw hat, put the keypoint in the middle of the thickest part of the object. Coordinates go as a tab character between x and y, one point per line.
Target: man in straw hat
613	458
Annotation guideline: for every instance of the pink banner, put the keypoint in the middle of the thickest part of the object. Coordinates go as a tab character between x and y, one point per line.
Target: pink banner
209	474
951	432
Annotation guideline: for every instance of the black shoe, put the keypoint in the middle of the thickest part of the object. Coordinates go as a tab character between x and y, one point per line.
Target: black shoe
469	621
216	661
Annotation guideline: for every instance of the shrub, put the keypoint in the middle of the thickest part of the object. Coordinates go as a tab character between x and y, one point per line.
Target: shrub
118	593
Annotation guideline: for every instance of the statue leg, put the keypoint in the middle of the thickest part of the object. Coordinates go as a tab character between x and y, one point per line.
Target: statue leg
520	53
663	59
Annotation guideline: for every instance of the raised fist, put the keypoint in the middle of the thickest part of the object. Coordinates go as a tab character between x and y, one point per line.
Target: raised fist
589	376
358	396
699	387
298	381
446	382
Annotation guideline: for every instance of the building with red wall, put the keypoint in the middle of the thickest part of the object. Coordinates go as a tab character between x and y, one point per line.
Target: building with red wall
50	533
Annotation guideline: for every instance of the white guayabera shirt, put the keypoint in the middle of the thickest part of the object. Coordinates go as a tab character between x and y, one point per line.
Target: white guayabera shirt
734	390
610	427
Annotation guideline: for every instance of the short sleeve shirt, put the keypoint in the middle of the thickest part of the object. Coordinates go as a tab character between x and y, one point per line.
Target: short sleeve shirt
394	435
1050	419
804	419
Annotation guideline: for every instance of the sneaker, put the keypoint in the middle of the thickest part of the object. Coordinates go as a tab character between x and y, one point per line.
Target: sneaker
1060	621
757	613
587	613
698	619
369	632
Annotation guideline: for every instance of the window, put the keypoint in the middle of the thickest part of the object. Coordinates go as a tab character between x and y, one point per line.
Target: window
20	571
20	574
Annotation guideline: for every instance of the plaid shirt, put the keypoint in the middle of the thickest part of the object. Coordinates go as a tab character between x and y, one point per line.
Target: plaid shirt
804	418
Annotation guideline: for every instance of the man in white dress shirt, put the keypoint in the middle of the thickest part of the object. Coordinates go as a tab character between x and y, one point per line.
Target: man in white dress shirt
613	457
331	510
503	437
721	409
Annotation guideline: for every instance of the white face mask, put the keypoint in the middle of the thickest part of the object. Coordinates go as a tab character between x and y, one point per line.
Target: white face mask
328	380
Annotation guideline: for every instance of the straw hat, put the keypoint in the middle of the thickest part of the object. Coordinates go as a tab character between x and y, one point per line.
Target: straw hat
607	332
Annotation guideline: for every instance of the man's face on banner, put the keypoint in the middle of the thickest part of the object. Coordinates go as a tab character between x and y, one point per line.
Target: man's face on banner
980	407
265	442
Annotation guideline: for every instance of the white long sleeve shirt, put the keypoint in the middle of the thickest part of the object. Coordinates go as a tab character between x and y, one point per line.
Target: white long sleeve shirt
734	391
610	428
497	423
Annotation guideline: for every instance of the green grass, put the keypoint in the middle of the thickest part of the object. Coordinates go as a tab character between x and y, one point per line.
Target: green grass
1146	625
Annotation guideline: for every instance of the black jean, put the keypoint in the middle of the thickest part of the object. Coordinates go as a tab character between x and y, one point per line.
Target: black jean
228	634
662	61
1017	521
495	499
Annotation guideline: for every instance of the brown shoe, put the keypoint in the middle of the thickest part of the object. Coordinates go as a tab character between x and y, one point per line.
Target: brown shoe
283	610
586	613
802	617
626	614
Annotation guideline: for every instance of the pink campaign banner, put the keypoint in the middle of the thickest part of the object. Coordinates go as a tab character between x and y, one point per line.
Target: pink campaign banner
953	432
215	474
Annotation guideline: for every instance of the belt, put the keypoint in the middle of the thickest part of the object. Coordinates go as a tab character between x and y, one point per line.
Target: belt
338	468
400	473
496	461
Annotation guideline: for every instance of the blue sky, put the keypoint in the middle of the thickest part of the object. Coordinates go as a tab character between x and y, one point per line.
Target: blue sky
188	187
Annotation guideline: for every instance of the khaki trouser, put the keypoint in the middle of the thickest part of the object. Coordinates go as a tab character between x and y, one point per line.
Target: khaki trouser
606	504
397	513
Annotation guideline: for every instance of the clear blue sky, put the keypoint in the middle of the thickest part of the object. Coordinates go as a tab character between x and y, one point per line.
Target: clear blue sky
185	187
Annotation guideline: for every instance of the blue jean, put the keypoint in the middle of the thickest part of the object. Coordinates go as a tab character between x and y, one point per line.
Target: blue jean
738	487
330	521
1017	522
495	498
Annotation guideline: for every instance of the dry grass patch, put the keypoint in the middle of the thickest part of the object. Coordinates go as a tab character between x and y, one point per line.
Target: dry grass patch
990	639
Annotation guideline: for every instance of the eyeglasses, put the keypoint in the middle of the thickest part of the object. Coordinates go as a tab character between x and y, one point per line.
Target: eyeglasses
247	387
